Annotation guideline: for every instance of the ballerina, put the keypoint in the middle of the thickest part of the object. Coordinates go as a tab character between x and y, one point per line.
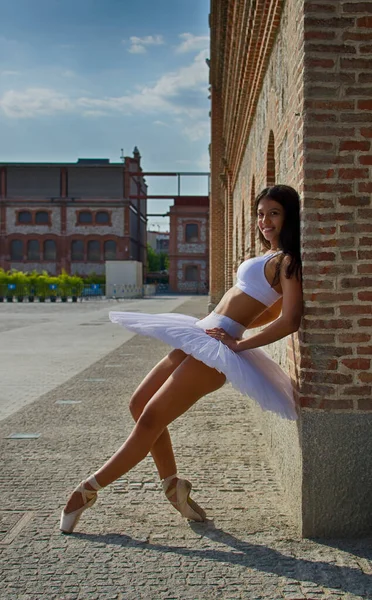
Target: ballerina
208	352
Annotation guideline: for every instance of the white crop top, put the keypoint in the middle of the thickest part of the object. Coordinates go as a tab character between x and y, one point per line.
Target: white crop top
252	281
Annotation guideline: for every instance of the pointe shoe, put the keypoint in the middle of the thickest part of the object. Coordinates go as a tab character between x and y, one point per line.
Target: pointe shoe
187	507
70	520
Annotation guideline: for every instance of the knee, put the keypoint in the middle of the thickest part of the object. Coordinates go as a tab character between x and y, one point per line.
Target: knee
151	420
136	406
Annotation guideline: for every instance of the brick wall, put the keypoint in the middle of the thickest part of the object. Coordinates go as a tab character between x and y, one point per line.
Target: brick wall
337	235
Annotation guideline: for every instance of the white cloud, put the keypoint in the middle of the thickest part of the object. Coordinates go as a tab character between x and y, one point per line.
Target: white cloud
177	99
138	45
137	49
34	102
8	73
191	43
197	130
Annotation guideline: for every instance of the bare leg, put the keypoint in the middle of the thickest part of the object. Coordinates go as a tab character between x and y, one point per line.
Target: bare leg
162	451
190	381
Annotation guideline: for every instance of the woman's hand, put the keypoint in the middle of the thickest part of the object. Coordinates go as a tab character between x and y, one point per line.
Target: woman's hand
222	336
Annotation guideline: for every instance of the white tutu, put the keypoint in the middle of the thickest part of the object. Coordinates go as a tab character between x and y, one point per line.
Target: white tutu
252	372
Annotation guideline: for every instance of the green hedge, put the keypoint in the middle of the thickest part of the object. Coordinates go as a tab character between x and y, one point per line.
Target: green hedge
42	285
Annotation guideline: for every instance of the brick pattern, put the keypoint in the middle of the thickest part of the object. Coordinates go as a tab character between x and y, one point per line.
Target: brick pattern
294	106
337	236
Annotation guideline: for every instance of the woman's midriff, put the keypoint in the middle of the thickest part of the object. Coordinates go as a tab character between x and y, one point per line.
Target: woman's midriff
240	307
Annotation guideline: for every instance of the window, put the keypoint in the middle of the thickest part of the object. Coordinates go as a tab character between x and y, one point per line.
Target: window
94	250
191	273
192	233
24	216
85	217
50	250
110	250
102	217
33	250
77	250
42	217
16	250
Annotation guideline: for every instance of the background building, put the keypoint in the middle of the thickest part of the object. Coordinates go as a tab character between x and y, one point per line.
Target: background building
291	88
158	240
71	216
189	245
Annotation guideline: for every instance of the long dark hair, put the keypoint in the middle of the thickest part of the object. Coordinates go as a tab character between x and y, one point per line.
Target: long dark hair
289	237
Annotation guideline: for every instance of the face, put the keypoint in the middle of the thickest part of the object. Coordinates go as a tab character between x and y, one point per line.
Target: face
270	219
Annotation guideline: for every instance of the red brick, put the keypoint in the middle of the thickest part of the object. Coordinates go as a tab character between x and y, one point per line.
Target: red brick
320	35
365	296
323	63
356	310
353	173
365	49
329	324
338	404
356	63
364	186
364	350
364	404
365	159
332	298
365	241
324	377
354	201
320	256
330	104
335	23
365	377
355	145
366	132
364	22
365	213
359	7
365	322
358	391
320	7
356	228
349	255
351	338
365	104
351	36
361	364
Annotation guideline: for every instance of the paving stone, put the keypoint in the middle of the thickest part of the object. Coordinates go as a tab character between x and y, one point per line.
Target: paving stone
133	545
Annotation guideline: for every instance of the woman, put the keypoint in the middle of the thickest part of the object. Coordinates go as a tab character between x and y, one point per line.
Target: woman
209	351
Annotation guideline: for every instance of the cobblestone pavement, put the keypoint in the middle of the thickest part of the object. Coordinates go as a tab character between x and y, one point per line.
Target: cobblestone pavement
133	545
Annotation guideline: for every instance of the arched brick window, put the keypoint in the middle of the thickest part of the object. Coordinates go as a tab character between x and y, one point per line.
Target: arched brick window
192	232
85	217
50	250
25	217
270	161
42	217
16	250
110	250
77	250
102	217
33	250
94	250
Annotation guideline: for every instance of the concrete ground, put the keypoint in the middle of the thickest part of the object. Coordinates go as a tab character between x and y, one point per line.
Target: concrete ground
67	375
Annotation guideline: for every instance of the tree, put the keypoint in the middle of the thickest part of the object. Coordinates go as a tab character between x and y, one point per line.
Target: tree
153	260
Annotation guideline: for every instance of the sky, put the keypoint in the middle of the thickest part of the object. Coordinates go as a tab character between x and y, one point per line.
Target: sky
87	78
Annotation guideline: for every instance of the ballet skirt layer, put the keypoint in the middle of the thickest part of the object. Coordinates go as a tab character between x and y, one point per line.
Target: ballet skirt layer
253	372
